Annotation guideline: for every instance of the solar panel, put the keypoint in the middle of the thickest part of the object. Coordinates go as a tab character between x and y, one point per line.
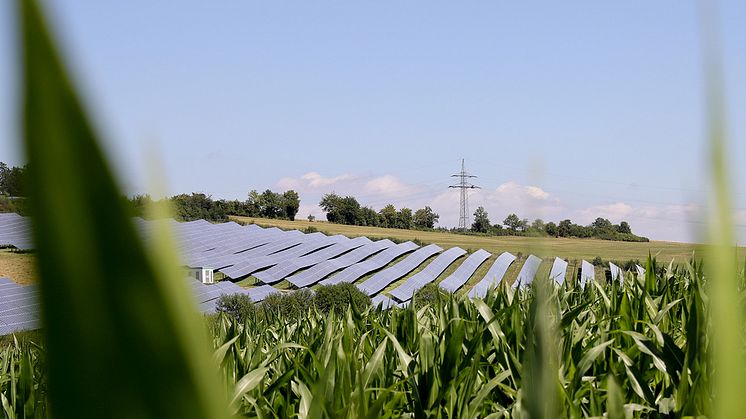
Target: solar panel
249	266
320	271
616	273
268	246
494	275
224	253
354	272
462	274
281	270
528	272
383	302
380	280
559	268
587	273
405	291
15	231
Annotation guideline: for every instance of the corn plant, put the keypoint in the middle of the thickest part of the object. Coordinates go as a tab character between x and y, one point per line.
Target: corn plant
635	349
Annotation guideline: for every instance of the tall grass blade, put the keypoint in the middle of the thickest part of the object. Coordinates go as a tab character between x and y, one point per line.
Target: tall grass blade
122	336
727	309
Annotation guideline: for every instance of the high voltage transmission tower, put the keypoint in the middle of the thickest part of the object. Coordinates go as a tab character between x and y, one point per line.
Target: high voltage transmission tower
463	185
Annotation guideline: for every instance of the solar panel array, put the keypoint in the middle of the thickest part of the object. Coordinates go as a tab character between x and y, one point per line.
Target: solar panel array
494	275
320	271
616	273
462	274
528	272
15	231
19	307
272	255
405	291
587	273
559	268
353	272
385	277
288	267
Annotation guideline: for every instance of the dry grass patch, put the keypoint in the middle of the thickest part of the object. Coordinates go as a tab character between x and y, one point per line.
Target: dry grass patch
20	267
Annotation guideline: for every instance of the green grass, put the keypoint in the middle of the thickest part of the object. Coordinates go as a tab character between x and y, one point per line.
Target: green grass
565	248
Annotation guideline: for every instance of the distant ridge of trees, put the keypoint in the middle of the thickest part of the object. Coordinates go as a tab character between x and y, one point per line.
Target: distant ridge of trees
13	188
513	225
195	206
347	210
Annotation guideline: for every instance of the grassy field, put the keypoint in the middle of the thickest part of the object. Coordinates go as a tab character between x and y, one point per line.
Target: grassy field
17	266
545	247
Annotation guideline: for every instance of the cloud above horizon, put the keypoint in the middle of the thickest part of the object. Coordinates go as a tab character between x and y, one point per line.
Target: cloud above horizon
659	222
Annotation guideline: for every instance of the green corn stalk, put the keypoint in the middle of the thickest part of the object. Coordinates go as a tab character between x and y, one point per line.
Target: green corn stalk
122	334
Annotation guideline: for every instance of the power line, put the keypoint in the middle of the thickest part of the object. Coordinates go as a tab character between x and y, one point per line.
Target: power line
463	185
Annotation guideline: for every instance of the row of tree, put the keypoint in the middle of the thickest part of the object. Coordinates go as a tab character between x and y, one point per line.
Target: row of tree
601	228
12	180
347	210
195	206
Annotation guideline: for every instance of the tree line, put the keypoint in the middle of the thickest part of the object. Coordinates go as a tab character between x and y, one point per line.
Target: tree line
347	210
513	225
195	206
13	188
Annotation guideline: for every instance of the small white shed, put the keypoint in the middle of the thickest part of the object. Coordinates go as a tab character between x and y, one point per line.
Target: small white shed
203	274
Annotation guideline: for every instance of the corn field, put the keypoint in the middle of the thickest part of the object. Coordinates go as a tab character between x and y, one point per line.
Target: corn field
640	349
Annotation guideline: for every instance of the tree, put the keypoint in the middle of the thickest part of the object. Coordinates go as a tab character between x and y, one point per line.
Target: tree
290	203
368	217
524	225
271	205
311	218
538	225
624	228
564	228
601	224
331	203
481	222
388	216
12	180
404	219
512	222
551	229
425	218
341	210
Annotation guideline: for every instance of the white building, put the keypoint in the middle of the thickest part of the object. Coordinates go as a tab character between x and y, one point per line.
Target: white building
203	274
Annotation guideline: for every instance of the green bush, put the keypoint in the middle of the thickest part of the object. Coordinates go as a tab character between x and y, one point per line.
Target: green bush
288	306
238	306
429	294
339	296
597	261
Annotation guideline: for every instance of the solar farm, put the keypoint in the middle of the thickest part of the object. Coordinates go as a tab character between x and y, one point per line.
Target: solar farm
271	256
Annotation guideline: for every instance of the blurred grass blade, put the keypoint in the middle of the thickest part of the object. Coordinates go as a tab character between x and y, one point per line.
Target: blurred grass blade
727	309
122	336
615	399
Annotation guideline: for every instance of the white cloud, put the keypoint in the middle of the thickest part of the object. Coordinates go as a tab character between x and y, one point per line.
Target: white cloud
389	186
312	180
659	222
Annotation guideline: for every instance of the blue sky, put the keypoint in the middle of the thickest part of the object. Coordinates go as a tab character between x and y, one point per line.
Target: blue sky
563	110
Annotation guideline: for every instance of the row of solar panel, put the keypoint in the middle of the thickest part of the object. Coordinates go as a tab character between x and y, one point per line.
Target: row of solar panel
19	307
15	231
306	259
